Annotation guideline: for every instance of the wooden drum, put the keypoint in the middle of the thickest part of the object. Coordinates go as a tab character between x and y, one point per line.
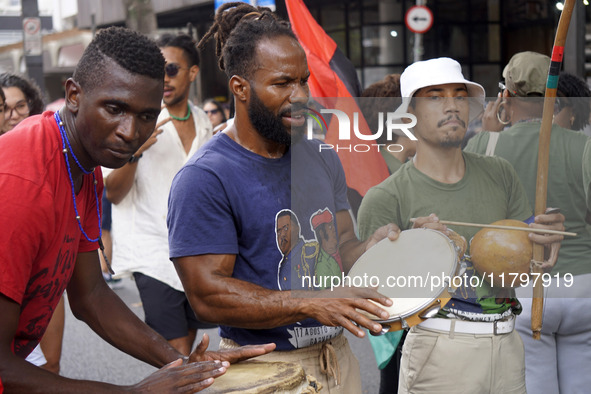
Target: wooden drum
250	377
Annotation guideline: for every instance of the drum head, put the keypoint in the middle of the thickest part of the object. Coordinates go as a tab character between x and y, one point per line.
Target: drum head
260	377
411	270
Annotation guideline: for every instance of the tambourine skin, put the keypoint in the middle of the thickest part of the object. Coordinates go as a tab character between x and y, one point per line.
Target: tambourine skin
417	253
501	254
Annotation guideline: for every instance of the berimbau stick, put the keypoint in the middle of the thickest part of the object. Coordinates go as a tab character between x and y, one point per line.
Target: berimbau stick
528	229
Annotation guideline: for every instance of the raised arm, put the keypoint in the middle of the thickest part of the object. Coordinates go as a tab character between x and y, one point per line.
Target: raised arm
218	298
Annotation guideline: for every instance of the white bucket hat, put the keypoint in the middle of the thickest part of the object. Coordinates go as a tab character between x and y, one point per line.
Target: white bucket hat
438	71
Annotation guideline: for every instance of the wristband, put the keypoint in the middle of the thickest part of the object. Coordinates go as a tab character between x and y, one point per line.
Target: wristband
134	159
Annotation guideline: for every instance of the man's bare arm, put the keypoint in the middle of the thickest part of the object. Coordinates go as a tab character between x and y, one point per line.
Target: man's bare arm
218	298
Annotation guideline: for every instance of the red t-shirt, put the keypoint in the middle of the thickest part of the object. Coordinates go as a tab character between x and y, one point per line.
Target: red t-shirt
39	236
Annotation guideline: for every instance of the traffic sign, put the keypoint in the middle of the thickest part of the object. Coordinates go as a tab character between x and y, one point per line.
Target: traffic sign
418	19
32	36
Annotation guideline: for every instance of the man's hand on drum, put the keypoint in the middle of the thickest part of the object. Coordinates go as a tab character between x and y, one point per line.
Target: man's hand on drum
391	231
230	355
177	377
551	220
342	307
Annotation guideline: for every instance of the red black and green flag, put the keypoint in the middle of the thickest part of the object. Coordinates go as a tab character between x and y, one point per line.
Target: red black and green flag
333	75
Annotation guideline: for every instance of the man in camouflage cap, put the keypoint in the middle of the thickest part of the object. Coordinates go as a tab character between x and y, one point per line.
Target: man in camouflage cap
556	363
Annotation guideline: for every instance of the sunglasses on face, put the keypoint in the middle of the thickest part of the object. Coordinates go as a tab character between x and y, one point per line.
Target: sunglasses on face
211	111
172	69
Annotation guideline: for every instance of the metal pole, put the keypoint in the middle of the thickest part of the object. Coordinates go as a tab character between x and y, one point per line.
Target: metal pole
32	42
418	49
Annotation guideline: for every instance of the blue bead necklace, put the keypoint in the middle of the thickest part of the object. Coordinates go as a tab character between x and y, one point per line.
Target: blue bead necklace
65	151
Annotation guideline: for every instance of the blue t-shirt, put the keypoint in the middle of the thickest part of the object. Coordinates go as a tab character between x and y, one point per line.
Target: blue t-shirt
228	200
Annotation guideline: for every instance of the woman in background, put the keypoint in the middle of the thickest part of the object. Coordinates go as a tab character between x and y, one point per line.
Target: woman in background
22	99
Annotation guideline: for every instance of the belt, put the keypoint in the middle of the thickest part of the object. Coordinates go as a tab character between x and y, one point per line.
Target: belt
504	326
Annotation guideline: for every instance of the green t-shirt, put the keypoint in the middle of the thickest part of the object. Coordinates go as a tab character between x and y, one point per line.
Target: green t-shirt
570	158
392	162
489	191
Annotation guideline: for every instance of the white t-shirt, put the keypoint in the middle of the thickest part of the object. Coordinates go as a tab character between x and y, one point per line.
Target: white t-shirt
140	235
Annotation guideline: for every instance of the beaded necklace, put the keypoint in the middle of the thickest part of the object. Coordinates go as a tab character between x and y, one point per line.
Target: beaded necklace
184	117
65	151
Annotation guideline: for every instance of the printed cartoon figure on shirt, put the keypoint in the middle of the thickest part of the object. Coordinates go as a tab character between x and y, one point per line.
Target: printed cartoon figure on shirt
299	255
329	262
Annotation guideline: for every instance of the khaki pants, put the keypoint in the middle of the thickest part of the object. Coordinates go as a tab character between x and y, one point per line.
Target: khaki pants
335	351
440	362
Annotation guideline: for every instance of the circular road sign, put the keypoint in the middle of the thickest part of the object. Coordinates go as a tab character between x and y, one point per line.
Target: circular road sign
418	19
31	26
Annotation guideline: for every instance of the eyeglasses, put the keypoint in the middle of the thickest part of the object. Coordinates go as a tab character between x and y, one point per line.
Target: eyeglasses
21	108
172	69
211	111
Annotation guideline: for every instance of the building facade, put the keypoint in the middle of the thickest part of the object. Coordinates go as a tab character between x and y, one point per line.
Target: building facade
481	34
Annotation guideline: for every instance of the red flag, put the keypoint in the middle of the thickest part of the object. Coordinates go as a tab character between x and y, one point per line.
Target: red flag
333	75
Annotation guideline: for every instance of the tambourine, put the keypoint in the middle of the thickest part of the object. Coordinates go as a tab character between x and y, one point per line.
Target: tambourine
415	271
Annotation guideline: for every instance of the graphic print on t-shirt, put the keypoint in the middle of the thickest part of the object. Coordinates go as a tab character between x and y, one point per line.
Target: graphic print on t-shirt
45	289
307	264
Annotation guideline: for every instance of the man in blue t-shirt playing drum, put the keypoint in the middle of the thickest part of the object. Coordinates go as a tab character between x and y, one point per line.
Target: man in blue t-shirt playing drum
225	204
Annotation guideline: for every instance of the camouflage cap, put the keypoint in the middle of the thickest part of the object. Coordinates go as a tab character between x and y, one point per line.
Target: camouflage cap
526	74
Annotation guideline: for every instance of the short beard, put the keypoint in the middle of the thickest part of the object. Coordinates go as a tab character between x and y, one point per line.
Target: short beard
452	142
173	101
267	124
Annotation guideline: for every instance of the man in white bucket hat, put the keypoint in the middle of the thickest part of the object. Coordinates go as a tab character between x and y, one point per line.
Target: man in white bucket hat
434	72
470	346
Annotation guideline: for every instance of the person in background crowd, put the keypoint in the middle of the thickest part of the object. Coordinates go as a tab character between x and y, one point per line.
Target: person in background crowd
558	362
50	188
216	114
374	100
573	104
22	98
571	110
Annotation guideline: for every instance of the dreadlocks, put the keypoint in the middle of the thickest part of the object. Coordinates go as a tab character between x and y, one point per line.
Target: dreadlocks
237	30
